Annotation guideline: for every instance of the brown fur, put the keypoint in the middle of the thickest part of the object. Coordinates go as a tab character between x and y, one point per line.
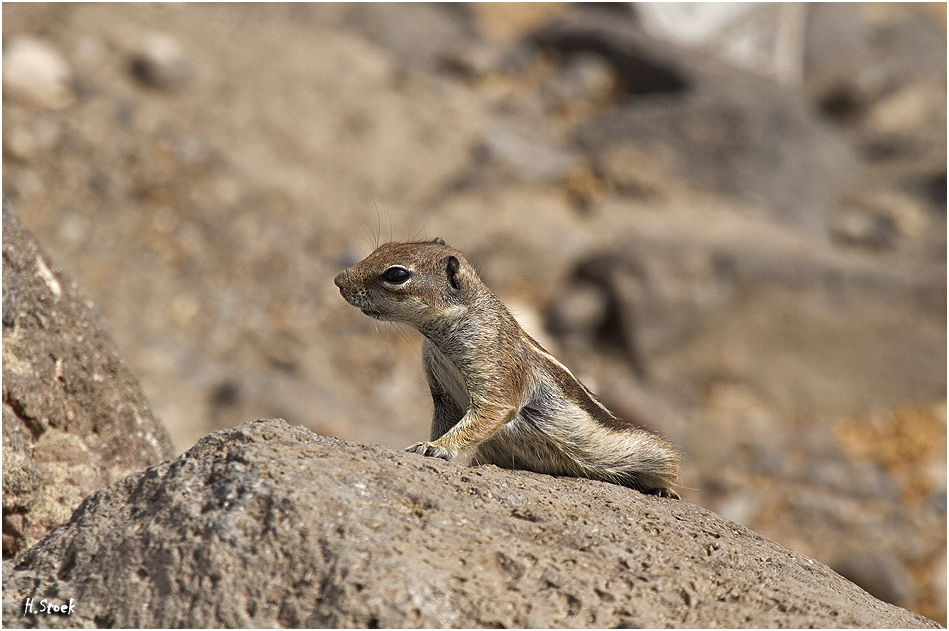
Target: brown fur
497	393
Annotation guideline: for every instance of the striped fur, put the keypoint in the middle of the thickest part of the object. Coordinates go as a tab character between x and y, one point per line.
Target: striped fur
498	395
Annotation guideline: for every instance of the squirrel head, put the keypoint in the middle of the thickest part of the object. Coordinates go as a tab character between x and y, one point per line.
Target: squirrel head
421	283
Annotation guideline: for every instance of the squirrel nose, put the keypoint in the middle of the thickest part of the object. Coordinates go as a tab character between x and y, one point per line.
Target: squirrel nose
339	279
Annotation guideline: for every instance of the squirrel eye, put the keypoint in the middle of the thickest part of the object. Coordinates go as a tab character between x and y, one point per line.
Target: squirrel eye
396	275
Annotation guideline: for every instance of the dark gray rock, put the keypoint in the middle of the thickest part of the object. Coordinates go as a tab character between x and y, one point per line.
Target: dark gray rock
268	525
718	127
74	418
680	290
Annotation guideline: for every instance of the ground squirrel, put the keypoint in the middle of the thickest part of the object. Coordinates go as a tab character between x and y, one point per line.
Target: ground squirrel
499	396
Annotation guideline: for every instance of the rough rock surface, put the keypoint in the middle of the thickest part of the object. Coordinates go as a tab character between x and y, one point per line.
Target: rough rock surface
268	525
74	417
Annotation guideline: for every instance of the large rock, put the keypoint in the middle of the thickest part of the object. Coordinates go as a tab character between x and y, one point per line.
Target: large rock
267	525
718	127
74	418
805	322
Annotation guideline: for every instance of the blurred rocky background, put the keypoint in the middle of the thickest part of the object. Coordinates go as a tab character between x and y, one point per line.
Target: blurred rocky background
728	220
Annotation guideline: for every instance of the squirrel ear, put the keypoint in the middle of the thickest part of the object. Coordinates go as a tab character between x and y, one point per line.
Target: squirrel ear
438	240
452	265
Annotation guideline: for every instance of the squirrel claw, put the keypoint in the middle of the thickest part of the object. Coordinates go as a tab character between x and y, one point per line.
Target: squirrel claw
666	493
431	450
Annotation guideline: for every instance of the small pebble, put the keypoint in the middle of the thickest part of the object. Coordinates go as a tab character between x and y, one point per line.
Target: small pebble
583	308
34	72
160	63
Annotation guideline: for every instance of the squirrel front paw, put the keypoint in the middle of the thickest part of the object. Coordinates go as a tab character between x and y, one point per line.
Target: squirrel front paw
431	450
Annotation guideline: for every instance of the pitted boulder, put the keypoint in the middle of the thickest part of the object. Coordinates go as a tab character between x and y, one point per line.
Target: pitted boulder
74	417
270	525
